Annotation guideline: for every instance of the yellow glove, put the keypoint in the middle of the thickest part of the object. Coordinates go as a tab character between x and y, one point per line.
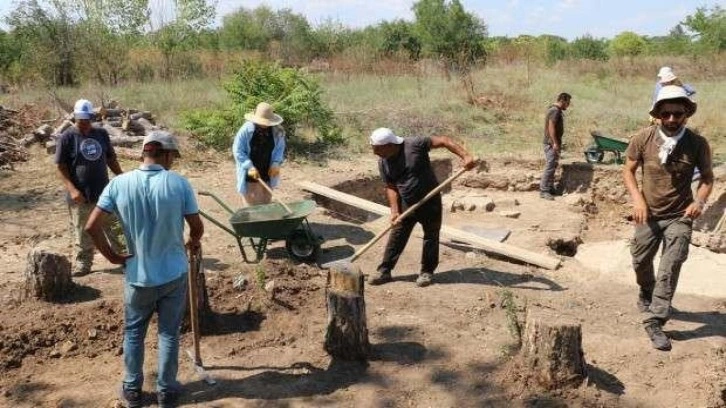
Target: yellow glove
274	171
253	174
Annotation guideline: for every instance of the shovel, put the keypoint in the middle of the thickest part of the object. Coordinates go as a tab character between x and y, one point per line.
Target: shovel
269	190
195	265
347	264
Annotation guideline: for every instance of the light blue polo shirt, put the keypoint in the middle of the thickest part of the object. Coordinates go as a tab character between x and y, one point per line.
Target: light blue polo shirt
151	203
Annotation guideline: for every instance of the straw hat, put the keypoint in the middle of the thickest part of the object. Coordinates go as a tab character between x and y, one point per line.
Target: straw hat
264	115
673	93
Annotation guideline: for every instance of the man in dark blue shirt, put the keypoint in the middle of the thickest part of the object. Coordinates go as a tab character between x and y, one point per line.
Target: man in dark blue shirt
406	169
82	154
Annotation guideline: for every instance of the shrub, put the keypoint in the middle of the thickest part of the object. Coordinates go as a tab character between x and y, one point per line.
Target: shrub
295	96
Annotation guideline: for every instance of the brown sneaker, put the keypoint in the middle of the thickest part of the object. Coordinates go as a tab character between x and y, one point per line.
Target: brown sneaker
379	278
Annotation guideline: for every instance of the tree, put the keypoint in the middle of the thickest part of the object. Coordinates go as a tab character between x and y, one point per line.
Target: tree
181	34
48	39
627	44
447	31
586	47
708	27
399	36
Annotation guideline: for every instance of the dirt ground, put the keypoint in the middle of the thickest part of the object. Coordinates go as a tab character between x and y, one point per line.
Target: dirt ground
447	345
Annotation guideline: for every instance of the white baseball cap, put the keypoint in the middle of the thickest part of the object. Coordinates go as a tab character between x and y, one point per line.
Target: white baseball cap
384	136
83	109
165	139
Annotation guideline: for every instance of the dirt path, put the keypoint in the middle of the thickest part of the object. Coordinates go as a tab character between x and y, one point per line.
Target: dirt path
447	345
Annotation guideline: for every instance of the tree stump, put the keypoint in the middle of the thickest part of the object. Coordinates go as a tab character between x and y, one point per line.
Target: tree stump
346	337
47	275
552	350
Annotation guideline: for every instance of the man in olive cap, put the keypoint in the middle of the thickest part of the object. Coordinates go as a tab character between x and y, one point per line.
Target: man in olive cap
664	207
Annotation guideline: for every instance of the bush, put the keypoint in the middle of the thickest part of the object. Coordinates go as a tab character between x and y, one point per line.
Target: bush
295	96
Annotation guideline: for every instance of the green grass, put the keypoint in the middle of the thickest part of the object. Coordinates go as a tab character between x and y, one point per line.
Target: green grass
509	119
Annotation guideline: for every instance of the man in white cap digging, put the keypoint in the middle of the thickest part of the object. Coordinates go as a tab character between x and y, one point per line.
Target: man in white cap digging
406	169
82	154
152	203
259	150
664	207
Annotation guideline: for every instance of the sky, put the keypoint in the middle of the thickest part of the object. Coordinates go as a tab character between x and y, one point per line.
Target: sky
565	18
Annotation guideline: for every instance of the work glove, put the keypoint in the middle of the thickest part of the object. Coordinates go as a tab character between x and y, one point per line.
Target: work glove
274	171
253	174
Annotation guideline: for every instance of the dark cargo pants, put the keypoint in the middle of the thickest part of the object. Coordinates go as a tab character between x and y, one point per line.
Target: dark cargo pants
429	216
675	235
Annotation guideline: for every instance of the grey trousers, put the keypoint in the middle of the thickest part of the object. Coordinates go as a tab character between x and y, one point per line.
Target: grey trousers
552	158
675	235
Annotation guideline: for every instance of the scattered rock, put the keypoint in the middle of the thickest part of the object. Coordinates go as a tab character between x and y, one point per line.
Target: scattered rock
510	214
92	334
565	245
68	347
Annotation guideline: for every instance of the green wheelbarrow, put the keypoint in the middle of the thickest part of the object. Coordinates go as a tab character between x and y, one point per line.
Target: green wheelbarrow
596	151
255	226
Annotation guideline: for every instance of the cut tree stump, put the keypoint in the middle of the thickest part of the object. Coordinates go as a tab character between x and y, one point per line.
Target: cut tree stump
47	275
346	337
551	351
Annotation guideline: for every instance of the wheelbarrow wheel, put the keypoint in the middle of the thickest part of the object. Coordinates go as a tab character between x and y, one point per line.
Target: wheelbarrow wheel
301	246
594	155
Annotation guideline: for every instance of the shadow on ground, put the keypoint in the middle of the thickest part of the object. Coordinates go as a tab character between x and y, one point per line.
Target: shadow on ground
713	323
485	276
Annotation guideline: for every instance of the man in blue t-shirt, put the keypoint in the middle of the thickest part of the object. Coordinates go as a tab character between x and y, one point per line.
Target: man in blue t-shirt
152	204
406	169
82	154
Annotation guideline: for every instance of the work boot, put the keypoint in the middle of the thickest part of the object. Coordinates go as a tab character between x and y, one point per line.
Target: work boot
379	278
424	279
657	338
546	195
644	299
131	398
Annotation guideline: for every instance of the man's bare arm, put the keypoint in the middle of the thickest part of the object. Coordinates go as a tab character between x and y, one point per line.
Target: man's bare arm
445	141
196	230
65	176
94	228
640	208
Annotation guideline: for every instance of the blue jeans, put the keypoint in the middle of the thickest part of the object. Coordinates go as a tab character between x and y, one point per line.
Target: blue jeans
169	301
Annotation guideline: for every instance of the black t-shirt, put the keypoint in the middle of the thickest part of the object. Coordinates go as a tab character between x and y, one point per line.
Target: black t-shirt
410	171
261	146
87	159
554	113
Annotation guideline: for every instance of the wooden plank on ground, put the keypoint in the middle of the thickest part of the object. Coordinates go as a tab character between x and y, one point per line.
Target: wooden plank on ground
488	245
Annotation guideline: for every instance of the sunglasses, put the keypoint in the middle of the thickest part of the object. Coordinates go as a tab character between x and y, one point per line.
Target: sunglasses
675	114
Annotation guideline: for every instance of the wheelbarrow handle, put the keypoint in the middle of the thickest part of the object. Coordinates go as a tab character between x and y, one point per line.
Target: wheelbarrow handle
217	199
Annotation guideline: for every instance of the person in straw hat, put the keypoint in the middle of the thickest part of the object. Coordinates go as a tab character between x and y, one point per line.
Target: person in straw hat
664	206
259	150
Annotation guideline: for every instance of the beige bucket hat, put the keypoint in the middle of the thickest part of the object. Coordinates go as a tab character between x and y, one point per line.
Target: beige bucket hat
673	93
264	115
